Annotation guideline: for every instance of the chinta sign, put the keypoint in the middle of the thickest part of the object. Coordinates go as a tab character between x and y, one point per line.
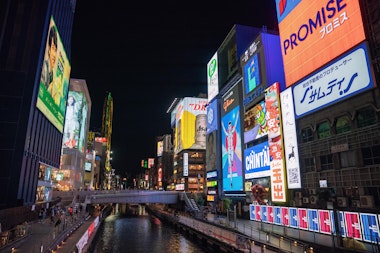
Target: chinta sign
315	32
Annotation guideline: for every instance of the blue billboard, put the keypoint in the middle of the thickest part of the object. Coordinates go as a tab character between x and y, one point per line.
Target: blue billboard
257	161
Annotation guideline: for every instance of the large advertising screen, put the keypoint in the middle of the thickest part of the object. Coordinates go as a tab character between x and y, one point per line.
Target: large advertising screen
191	124
315	32
232	171
251	74
74	134
257	161
55	76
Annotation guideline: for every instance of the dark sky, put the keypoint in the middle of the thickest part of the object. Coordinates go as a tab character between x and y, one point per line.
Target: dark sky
146	54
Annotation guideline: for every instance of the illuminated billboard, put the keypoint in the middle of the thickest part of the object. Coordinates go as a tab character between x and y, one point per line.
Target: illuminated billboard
212	77
315	32
54	82
191	124
261	64
293	171
74	133
212	116
257	161
345	77
255	122
252	76
160	148
275	142
232	171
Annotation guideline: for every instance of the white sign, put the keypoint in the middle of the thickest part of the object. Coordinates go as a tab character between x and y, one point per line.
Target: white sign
345	77
185	164
293	171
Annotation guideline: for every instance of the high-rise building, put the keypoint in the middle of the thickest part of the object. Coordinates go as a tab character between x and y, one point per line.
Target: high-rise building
35	49
74	144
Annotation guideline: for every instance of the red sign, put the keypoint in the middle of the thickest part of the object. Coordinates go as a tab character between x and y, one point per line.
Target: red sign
353	225
258	212
285	215
324	221
302	217
270	216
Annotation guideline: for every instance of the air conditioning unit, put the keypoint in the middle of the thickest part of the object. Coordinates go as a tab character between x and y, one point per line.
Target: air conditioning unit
298	195
355	203
297	202
305	200
313	191
366	201
342	201
313	199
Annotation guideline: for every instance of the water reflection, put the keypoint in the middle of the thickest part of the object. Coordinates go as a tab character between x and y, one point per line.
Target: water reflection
142	233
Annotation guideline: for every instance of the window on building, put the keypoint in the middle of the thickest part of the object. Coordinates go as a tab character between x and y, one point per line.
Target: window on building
309	164
306	135
323	130
326	162
366	117
343	124
348	159
371	155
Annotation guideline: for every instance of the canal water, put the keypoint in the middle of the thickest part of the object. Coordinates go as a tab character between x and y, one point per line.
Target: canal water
143	233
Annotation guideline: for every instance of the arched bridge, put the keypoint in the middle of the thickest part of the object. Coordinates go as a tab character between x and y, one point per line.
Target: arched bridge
132	196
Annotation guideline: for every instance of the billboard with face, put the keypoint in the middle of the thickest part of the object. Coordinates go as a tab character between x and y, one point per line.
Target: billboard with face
74	133
54	81
232	170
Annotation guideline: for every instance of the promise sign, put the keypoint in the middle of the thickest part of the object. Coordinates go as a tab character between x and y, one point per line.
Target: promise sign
315	32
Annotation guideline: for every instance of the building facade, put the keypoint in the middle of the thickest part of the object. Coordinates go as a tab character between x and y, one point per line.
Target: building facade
33	101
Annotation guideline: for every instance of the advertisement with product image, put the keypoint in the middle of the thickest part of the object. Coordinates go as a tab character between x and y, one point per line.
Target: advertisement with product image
54	81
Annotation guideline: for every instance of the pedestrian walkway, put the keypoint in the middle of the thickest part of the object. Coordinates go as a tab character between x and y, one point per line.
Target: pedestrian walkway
45	237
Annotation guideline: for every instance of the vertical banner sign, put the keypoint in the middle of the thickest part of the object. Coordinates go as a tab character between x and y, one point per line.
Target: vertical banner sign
252	213
342	225
293	173
302	219
285	215
370	227
272	105
185	164
293	217
277	215
270	214
312	215
231	132
212	77
325	222
264	213
258	212
353	225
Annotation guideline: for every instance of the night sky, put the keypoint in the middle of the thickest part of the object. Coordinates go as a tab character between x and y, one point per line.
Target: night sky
146	54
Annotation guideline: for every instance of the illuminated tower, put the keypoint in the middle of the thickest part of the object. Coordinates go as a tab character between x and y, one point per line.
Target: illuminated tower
107	119
107	133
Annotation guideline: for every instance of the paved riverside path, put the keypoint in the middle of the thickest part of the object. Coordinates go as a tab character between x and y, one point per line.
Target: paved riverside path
44	234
